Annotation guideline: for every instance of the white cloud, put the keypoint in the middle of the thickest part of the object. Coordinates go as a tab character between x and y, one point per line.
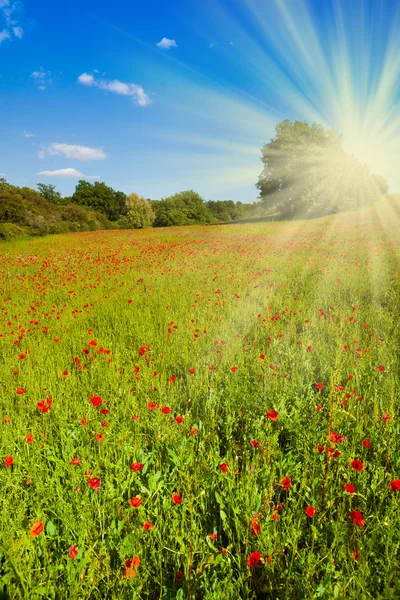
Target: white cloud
82	153
4	35
27	135
18	32
166	44
8	14
118	87
42	78
86	79
73	173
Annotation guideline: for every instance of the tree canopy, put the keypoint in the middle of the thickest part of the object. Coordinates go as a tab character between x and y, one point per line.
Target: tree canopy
100	197
139	213
307	173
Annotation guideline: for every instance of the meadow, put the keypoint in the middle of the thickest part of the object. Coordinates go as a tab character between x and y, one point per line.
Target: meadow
202	412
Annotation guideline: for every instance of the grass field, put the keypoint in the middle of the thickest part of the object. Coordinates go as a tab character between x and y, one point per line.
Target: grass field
224	409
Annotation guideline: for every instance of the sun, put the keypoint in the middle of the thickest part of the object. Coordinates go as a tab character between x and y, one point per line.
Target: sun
369	149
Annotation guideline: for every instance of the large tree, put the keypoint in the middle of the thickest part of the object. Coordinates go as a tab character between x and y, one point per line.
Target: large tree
184	208
139	213
307	173
100	197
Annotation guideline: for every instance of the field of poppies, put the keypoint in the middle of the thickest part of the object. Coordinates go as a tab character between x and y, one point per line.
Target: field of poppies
202	412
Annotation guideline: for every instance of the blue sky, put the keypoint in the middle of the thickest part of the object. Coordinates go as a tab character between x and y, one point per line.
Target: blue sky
84	88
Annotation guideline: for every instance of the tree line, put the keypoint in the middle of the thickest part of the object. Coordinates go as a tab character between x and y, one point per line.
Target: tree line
306	173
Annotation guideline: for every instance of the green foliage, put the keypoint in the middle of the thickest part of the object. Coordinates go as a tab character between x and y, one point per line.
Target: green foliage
139	213
183	208
307	173
228	210
100	197
49	193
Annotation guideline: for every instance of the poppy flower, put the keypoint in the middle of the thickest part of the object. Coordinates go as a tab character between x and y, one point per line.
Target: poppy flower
366	443
349	488
356	465
178	577
320	449
8	461
253	559
136	466
310	511
99	437
272	414
36	528
255	528
29	438
94	483
381	368
234	369
223	467
395	485
336	437
152	405
357	518
172	378
319	386
176	499
193	431
129	570
96	400
135	502
385	417
356	556
73	551
255	444
213	536
147	526
20	391
75	461
286	483
165	410
178	419
192	371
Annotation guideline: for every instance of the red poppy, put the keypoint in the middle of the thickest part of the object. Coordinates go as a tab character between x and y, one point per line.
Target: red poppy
356	556
129	570
29	438
96	400
165	410
272	414
255	444
357	518
286	483
310	511
152	406
223	467
319	386
255	528
385	417
395	485
320	449
381	368
99	437
349	488
36	528
178	577
253	559
213	536
172	378
176	499
135	502
136	466
336	437
20	391
94	483
178	419
73	551
192	370
8	461
193	431
366	443
356	465
147	526
104	411
75	461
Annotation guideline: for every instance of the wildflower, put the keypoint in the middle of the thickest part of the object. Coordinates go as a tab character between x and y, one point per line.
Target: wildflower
395	485
336	437
255	444
94	483
147	526
272	414
357	518
172	378
136	467
29	438
96	400
75	461
135	502
20	391
193	431
356	556
44	405
223	467
349	488
286	483
310	511
8	461
99	437
73	551
152	406
176	499
320	449
178	419
319	386
178	577
385	417
381	368
253	559
356	465
36	528
129	570
213	536
165	410
366	443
